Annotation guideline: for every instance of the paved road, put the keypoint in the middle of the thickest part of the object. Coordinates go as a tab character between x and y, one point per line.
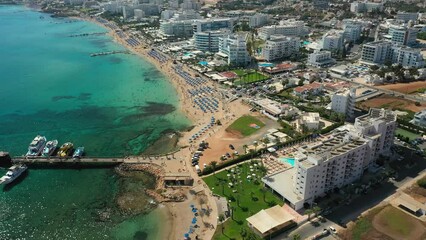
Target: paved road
390	92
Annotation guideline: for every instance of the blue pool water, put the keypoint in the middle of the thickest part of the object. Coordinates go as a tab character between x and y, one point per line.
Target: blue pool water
288	160
203	63
306	42
266	64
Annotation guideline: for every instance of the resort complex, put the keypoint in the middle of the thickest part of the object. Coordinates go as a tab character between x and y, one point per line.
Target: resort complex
217	119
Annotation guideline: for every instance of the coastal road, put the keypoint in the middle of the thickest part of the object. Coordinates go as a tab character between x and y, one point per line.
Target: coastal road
386	91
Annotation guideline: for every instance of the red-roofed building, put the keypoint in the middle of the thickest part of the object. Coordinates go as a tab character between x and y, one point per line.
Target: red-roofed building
334	86
312	88
229	75
282	67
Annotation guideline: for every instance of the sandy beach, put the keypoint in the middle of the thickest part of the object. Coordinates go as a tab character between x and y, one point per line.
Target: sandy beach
178	215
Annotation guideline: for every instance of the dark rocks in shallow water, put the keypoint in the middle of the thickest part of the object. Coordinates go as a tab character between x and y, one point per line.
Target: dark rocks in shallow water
152	109
139	235
57	98
84	96
81	97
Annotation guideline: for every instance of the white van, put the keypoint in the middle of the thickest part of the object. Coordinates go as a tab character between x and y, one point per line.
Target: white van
197	168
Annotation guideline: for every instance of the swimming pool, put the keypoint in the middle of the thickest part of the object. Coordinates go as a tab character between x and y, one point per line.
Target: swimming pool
203	63
266	64
288	160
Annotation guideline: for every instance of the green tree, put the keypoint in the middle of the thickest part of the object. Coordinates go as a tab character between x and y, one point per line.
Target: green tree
221	219
245	148
309	212
243	233
297	236
316	210
214	164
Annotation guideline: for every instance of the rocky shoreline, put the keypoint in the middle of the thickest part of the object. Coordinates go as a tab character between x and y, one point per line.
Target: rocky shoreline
158	193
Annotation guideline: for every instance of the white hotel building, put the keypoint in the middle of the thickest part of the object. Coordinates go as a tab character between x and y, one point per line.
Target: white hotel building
279	46
336	160
286	28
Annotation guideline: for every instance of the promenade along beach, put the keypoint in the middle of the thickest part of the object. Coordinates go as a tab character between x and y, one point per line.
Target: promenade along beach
113	105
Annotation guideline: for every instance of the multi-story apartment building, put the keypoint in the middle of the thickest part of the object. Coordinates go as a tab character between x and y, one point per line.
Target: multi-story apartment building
332	40
408	57
257	20
234	46
286	28
279	46
403	35
213	24
335	160
381	52
177	29
209	41
352	30
378	127
320	59
419	119
189	4
407	16
343	101
362	7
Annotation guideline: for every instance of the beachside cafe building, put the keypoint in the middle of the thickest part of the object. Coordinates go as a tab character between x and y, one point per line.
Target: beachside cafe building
270	108
270	221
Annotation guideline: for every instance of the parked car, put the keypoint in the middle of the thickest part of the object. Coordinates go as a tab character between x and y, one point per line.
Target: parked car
231	146
332	229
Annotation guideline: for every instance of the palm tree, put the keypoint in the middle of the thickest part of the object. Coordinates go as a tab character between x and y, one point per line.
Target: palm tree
214	164
263	170
221	219
251	151
309	212
316	210
245	148
255	144
243	233
297	236
266	141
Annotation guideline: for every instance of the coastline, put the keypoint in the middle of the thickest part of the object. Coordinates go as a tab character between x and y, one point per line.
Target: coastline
175	211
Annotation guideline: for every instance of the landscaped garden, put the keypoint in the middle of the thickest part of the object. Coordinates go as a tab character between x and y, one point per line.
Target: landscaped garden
245	125
242	187
406	134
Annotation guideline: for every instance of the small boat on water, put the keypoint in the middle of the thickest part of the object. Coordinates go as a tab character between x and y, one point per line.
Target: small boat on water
13	173
78	153
65	149
50	148
36	146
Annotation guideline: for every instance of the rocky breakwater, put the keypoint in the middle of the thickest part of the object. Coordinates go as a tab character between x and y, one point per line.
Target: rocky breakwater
157	191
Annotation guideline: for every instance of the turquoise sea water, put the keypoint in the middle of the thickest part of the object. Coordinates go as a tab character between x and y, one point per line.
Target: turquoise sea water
112	105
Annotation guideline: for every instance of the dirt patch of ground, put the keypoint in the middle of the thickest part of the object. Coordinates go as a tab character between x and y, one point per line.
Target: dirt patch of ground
221	138
416	192
411	87
390	102
398	225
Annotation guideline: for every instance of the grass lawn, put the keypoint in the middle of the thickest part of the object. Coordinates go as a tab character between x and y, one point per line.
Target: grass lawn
246	77
362	226
242	125
249	199
397	221
406	133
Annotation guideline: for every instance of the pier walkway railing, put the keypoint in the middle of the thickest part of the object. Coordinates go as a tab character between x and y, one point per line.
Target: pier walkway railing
80	160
